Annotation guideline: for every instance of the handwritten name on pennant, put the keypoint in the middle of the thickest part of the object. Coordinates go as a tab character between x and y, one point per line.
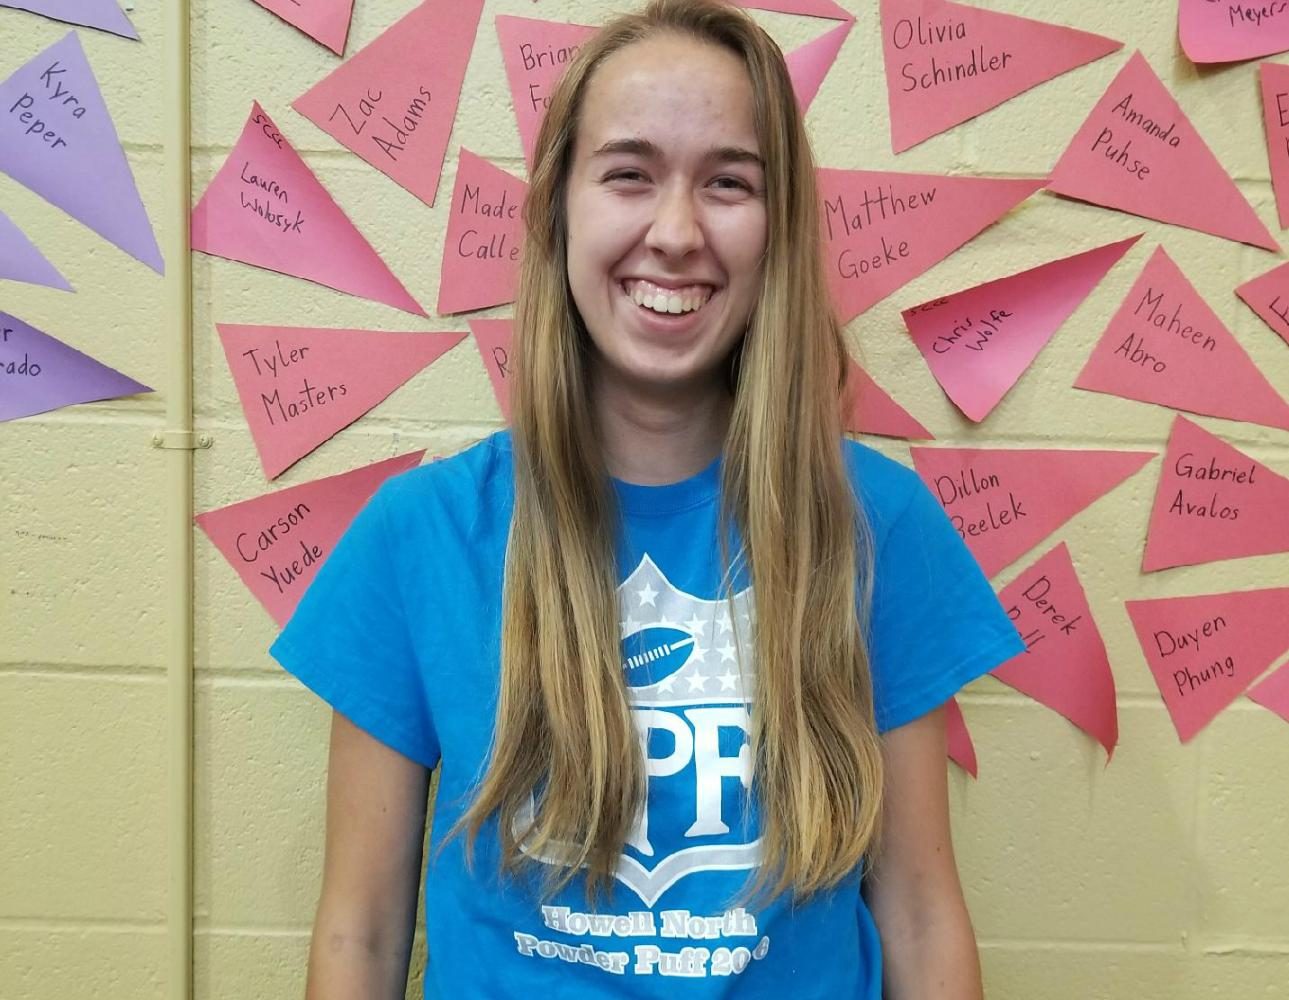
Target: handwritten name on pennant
21	261
1273	82
485	233
493	339
1230	31
1268	296
325	21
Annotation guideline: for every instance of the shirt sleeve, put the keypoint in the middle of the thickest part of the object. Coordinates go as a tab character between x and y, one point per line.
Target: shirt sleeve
349	640
935	622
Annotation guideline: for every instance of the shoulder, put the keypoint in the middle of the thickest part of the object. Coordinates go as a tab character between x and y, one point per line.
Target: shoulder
886	489
476	479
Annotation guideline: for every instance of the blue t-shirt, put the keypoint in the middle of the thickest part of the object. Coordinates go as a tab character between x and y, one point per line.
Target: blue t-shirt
400	633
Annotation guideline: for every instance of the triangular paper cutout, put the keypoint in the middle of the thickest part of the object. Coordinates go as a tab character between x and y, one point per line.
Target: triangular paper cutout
1231	31
870	409
1004	501
809	8
1273	692
1165	345
979	341
325	21
277	542
1273	80
393	102
266	208
493	338
958	739
301	385
102	14
21	261
535	54
41	373
58	139
1147	159
883	229
1065	665
809	64
1213	502
948	62
1205	651
1268	296
485	232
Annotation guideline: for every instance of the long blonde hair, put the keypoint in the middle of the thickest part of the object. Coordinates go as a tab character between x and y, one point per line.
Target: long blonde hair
566	777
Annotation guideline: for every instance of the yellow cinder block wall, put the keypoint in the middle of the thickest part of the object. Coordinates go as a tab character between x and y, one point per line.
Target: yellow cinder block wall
1164	876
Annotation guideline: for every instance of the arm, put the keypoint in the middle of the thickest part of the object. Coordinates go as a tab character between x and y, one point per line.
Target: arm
362	935
928	947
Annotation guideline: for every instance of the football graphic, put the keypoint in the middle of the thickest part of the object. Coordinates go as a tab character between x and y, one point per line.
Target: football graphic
653	653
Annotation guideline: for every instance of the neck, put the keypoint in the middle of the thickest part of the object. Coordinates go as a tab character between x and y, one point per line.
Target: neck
656	436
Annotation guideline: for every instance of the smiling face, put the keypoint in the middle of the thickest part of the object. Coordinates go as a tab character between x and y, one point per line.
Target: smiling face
666	215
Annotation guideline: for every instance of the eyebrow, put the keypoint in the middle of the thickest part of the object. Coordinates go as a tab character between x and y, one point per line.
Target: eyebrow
649	150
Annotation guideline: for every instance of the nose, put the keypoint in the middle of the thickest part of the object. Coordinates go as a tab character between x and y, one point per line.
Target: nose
676	230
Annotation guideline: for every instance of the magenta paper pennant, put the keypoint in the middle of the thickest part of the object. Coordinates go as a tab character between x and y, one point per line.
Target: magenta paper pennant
1065	665
277	542
1139	153
1205	651
1213	502
1273	79
1165	345
266	208
1273	693
1268	296
102	14
39	373
958	739
300	385
485	232
493	337
870	409
809	64
882	229
325	21
21	261
978	342
948	62
393	103
57	138
1229	31
1004	501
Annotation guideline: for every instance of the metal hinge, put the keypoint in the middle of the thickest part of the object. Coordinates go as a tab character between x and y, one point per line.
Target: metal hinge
181	440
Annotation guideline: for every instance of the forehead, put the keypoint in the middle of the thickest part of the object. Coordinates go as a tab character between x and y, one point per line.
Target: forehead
673	90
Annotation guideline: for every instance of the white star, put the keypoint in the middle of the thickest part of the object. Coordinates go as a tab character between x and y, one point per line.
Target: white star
727	681
646	595
697	682
665	684
727	653
724	623
666	622
696	625
699	653
629	625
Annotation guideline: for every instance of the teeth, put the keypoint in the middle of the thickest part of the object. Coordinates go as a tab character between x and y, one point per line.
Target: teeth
665	301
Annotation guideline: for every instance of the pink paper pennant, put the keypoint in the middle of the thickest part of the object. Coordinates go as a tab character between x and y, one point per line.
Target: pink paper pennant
979	341
1273	80
1213	502
1273	693
277	542
39	373
300	385
870	409
1004	501
809	64
266	208
325	21
947	62
1165	345
21	261
102	14
485	232
809	8
1205	651
1268	296
1229	31
535	54
493	337
1139	153
1065	665
958	739
881	229
393	103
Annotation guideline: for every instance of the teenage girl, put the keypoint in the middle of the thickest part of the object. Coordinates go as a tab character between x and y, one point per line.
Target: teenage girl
677	649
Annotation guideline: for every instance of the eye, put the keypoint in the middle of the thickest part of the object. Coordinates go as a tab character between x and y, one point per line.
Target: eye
630	175
728	182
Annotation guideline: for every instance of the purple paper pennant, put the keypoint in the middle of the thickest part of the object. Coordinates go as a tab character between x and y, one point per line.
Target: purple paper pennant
21	261
102	14
57	138
40	373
